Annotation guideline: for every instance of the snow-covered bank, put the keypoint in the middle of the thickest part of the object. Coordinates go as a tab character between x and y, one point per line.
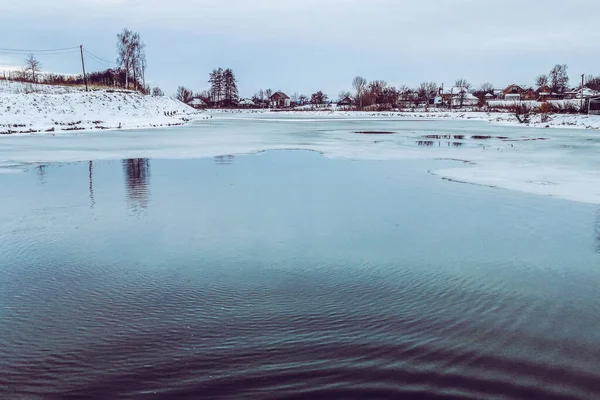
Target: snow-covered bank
577	121
31	108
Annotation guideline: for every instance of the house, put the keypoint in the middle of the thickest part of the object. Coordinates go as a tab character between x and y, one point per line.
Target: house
594	105
464	99
197	103
449	93
529	94
346	101
279	100
513	93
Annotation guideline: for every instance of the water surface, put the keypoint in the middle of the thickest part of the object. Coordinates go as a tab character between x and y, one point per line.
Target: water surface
289	275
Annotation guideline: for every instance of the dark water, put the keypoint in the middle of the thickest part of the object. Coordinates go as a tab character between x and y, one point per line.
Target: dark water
288	275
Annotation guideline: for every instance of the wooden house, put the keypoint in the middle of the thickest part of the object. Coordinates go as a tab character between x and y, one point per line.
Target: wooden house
279	100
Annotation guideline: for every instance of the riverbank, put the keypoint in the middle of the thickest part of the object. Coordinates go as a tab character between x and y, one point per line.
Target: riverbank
577	121
31	108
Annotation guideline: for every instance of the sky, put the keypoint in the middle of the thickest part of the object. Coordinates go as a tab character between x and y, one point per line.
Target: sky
309	45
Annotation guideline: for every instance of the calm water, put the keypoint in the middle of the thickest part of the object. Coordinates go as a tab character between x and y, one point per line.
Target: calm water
289	275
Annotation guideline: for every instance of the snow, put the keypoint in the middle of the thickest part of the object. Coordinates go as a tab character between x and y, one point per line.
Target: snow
33	108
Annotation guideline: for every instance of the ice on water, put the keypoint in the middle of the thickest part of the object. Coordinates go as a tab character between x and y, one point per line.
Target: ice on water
557	162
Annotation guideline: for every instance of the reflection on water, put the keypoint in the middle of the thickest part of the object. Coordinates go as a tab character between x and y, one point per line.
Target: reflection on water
224	160
137	181
91	177
41	172
597	231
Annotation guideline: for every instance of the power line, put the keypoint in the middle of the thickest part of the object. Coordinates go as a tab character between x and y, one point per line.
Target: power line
99	59
18	51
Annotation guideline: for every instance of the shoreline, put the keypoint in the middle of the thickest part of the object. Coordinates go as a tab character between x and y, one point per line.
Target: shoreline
562	121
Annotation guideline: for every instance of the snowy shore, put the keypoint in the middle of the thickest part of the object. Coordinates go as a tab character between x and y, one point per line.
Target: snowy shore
30	108
575	121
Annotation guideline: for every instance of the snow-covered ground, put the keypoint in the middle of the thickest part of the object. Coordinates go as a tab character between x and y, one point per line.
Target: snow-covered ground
33	108
505	118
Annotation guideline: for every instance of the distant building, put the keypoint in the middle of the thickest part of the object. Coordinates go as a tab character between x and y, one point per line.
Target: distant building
346	101
447	94
197	103
519	93
279	100
246	103
513	93
464	99
594	105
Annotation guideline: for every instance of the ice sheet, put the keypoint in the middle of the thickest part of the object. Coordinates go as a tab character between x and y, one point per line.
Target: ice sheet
554	162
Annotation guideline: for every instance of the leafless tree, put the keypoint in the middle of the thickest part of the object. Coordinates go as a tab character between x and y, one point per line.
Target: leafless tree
184	95
486	87
131	55
32	66
427	91
343	94
559	78
359	84
542	80
463	83
157	92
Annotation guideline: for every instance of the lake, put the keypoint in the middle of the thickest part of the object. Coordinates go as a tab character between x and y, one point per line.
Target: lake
288	273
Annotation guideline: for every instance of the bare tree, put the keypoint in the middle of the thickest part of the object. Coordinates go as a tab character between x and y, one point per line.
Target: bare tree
157	92
427	91
359	84
131	56
32	66
486	87
343	94
463	83
268	94
295	97
559	78
542	80
184	95
592	82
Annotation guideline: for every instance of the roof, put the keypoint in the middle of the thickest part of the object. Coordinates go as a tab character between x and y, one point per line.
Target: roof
489	95
246	102
197	102
280	94
467	96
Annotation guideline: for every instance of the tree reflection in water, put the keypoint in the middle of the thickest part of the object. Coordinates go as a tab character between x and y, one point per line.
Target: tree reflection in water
224	160
137	182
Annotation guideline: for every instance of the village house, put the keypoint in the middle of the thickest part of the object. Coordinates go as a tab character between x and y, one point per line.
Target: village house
545	93
447	94
519	93
594	105
279	100
346	101
464	99
197	103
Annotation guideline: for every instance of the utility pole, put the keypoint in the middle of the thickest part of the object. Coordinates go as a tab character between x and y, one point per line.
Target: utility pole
83	67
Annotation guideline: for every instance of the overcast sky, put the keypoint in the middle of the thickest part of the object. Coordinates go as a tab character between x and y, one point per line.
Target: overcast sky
309	45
